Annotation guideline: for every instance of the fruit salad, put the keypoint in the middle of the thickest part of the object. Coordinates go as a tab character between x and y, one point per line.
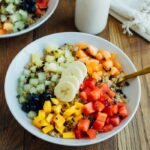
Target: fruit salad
16	15
71	91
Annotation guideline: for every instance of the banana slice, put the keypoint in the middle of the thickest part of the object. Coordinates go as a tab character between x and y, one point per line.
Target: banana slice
73	71
65	91
71	79
81	66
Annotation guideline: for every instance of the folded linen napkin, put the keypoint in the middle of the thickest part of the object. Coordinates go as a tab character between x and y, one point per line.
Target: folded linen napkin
139	18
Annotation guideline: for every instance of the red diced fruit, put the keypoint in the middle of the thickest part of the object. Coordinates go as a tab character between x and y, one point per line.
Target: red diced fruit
83	124
112	110
107	120
115	121
83	95
111	94
94	94
78	134
101	116
104	87
90	82
42	4
107	128
88	109
98	106
91	133
98	125
123	112
121	104
103	97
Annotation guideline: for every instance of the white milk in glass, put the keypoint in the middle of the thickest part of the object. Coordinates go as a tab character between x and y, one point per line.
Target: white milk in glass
91	15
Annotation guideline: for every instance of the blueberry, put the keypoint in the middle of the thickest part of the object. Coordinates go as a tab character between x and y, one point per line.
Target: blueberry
25	107
33	97
35	107
46	96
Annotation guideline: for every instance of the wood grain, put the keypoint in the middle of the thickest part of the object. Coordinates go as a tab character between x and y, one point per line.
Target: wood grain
136	136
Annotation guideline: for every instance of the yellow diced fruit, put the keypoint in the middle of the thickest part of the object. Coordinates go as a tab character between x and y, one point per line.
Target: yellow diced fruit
77	118
47	129
57	109
68	135
79	105
69	118
47	106
69	112
55	101
42	114
78	112
37	122
44	123
36	60
49	118
59	120
60	129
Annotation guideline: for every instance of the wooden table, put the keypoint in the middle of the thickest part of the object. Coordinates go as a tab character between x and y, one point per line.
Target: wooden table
136	136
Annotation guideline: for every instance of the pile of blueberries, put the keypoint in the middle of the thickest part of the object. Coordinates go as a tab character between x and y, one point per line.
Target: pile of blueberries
28	5
35	102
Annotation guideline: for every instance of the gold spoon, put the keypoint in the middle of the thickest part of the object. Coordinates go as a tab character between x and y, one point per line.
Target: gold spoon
135	74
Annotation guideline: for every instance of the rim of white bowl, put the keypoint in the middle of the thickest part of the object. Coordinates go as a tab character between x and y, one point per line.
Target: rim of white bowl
33	26
87	143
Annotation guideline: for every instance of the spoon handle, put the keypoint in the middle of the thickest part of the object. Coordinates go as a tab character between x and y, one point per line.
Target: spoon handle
135	74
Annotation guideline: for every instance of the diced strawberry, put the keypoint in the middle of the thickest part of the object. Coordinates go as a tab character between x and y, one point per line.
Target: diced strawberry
115	121
83	95
79	134
88	109
83	124
103	97
101	116
90	83
91	133
107	121
42	4
111	94
98	125
112	110
104	87
123	111
94	94
107	128
121	104
98	106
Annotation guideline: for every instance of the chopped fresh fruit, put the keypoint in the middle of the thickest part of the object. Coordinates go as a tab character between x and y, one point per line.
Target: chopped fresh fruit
98	125
83	124
107	128
68	135
78	134
123	111
115	121
98	106
88	109
91	133
112	110
101	117
94	94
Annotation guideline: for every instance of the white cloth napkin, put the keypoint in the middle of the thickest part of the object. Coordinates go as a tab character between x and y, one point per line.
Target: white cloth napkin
139	18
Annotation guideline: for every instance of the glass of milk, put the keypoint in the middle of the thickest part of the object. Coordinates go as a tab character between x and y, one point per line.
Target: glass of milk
91	15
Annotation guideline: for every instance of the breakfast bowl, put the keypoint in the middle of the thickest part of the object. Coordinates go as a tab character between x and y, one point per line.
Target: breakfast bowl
18	18
133	92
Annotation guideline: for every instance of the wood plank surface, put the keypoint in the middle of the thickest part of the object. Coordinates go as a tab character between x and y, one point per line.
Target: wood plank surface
136	136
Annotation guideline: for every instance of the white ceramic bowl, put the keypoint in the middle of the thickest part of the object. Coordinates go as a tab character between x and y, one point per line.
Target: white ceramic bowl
51	8
133	92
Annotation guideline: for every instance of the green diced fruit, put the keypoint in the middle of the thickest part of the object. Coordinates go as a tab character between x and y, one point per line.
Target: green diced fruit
47	83
33	69
36	60
32	114
32	75
53	67
54	78
61	59
22	78
27	72
33	90
50	48
27	87
42	76
22	99
34	81
40	88
50	59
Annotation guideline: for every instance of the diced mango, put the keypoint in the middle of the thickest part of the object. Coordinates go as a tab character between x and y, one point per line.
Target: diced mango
105	54
77	118
37	122
49	118
69	112
55	101
57	109
60	129
79	105
44	123
68	135
92	50
81	54
47	107
47	129
59	120
82	45
97	75
41	114
78	112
